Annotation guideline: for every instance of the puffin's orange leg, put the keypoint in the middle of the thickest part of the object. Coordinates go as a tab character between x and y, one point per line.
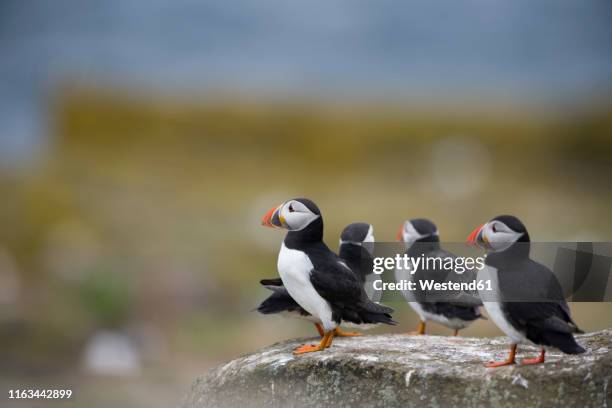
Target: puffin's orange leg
320	329
341	333
330	339
539	359
509	361
456	332
309	348
420	330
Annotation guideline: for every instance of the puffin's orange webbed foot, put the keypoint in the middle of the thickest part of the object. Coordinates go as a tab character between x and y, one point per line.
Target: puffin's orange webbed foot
307	348
326	341
531	361
340	333
494	364
509	361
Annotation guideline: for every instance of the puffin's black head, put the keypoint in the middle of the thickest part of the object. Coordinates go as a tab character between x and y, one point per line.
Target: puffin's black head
356	233
499	234
359	234
418	229
294	215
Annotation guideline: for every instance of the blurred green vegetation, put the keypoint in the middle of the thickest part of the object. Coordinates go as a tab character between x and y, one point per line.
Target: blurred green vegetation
107	297
148	209
331	135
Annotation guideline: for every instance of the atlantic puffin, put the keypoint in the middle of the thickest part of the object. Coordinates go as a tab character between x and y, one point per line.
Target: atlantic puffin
353	238
422	239
315	277
548	322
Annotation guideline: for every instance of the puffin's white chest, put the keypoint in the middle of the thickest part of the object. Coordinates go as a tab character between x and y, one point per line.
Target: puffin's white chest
493	307
402	274
294	268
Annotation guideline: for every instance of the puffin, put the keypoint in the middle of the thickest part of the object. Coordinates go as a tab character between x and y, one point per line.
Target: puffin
315	277
353	238
357	247
545	320
422	239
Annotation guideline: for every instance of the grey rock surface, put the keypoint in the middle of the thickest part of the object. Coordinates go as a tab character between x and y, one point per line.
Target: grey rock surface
409	371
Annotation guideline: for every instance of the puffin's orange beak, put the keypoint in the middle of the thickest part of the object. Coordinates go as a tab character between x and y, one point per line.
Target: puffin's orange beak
265	220
400	234
471	239
271	218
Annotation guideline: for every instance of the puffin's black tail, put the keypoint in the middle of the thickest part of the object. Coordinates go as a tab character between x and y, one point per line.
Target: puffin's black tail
563	341
376	313
384	318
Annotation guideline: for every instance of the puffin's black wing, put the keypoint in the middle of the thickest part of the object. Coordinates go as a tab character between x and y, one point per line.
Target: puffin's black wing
547	323
544	323
338	285
459	304
458	297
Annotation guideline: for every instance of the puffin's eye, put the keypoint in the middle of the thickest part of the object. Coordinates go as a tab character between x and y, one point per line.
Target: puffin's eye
291	208
494	229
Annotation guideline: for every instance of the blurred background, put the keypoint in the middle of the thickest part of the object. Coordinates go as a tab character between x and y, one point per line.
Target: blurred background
141	142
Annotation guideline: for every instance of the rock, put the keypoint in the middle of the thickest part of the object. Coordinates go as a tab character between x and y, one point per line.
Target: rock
409	371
